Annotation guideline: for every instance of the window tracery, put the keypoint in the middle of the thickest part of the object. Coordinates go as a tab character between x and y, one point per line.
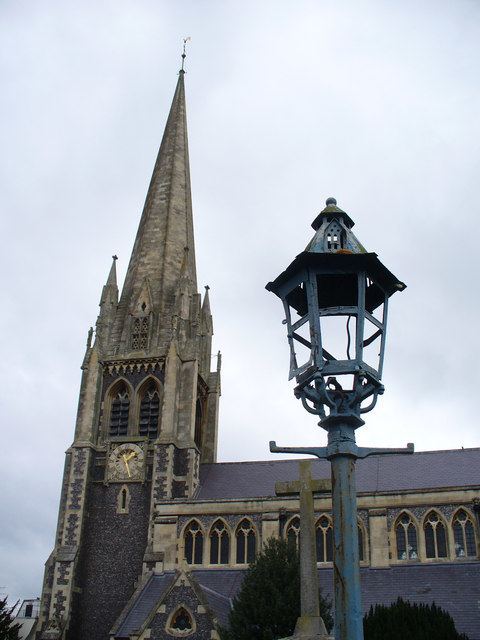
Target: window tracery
246	542
120	407
406	538
149	411
435	536
219	543
194	543
464	535
181	623
139	337
293	532
324	539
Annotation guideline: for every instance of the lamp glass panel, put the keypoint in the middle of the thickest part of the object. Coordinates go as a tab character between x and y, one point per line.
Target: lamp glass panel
337	289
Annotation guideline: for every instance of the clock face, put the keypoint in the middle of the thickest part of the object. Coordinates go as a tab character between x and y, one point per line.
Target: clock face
126	462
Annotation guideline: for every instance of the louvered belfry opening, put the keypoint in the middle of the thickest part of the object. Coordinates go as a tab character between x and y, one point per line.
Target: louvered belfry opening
149	411
119	411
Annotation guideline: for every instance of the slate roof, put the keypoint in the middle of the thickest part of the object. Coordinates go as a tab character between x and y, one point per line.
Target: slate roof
454	586
151	593
422	470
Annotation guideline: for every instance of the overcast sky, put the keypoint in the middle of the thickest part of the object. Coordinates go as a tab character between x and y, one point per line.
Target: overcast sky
375	103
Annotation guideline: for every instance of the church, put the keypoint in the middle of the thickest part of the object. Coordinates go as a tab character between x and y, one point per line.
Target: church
154	535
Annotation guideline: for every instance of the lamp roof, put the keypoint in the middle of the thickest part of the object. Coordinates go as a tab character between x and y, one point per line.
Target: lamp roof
335	250
332	211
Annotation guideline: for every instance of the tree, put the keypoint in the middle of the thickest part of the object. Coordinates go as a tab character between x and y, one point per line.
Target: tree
401	620
8	631
268	603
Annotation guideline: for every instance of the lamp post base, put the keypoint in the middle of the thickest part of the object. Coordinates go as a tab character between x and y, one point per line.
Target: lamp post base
310	628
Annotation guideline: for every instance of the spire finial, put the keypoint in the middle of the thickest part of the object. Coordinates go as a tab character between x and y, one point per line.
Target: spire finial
115	257
184	55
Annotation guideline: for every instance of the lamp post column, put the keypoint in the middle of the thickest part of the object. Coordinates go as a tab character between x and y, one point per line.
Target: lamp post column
346	560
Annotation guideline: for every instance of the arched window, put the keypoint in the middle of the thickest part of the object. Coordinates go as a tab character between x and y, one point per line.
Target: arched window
435	536
181	622
123	499
324	536
149	411
246	542
194	543
139	339
464	535
219	543
293	532
119	411
406	537
361	544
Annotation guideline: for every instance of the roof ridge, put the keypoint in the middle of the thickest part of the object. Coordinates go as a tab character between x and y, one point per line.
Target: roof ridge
277	461
217	593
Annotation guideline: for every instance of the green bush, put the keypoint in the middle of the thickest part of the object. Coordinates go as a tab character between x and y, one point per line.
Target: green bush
402	620
268	603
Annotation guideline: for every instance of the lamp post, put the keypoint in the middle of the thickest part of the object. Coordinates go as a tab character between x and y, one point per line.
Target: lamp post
339	294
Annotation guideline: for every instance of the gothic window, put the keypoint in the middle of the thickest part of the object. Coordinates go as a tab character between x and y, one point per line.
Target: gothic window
464	535
149	411
324	536
219	543
361	552
123	500
119	411
406	537
435	536
246	542
194	543
181	622
139	338
293	532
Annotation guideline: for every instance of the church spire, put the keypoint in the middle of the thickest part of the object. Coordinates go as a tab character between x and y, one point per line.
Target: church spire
166	228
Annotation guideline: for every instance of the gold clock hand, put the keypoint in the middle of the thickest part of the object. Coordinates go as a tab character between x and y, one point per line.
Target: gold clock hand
125	462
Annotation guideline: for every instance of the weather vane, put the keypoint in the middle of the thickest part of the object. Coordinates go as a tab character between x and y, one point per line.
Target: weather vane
184	55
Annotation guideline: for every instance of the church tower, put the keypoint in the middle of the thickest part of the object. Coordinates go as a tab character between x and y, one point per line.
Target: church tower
147	412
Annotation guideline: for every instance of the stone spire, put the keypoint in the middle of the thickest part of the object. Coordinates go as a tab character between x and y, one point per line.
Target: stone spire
108	306
166	228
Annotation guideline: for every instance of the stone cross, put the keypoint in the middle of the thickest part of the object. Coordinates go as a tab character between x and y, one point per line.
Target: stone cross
309	624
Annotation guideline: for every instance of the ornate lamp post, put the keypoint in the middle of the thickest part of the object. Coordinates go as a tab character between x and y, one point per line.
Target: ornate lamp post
335	296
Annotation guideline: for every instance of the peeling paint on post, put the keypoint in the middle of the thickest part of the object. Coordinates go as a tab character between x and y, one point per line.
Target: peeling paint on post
348	621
